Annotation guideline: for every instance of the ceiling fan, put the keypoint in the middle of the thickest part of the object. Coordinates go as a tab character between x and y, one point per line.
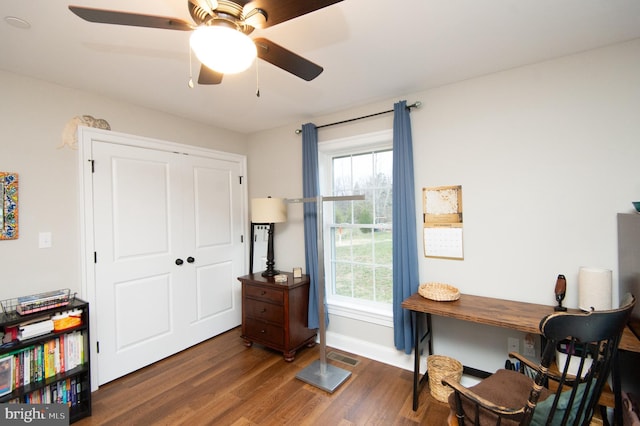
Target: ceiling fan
231	18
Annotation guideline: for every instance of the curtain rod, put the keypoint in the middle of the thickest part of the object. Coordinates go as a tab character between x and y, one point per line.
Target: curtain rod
416	104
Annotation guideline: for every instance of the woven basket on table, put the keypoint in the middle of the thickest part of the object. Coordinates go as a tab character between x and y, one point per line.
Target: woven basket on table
439	367
440	292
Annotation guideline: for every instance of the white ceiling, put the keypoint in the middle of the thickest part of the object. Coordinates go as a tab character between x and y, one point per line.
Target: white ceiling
370	50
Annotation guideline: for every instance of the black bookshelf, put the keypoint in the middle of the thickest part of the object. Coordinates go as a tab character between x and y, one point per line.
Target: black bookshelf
71	386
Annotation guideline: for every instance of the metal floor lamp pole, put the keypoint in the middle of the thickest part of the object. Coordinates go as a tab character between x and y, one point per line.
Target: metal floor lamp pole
320	374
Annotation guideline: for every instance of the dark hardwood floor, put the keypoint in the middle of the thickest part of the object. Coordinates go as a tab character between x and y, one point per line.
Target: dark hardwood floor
221	382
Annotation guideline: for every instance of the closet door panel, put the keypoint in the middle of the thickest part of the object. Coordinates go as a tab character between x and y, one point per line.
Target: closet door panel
141	207
135	225
143	311
213	207
216	244
213	299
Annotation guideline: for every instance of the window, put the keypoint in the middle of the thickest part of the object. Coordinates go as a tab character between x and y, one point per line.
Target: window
358	245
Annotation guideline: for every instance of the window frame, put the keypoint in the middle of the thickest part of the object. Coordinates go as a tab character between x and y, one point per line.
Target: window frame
372	312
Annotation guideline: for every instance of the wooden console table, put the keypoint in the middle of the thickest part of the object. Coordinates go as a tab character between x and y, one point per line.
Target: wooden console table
510	314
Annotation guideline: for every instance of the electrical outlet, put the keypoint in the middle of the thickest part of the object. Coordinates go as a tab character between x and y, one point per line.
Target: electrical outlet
513	345
529	346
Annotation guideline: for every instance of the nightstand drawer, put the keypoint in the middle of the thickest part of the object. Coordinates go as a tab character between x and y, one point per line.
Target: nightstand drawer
264	311
263	293
261	331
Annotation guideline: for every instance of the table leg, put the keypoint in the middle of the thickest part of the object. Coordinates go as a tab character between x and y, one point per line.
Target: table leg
416	358
430	341
418	340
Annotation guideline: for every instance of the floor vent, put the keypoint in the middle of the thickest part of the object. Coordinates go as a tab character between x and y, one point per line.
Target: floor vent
343	358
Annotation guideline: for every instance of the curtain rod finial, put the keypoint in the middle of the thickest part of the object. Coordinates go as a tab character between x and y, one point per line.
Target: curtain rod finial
298	131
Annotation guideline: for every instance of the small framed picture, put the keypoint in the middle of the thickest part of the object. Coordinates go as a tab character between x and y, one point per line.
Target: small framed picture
297	272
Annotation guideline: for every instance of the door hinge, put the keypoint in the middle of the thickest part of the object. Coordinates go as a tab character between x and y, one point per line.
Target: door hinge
93	168
98	347
240	179
242	238
95	257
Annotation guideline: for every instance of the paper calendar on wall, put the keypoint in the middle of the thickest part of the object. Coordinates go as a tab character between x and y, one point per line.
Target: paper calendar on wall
442	217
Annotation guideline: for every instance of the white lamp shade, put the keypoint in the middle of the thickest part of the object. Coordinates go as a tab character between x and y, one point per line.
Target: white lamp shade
594	289
268	210
223	49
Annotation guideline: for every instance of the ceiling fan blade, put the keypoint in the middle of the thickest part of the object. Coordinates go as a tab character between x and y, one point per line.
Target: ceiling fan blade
133	19
287	60
209	76
282	10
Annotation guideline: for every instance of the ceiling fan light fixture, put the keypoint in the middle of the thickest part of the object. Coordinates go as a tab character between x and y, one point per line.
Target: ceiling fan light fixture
223	49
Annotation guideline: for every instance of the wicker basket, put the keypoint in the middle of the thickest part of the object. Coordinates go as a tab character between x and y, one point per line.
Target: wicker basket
440	292
439	367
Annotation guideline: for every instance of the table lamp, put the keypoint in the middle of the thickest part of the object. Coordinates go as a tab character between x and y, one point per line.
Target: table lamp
269	211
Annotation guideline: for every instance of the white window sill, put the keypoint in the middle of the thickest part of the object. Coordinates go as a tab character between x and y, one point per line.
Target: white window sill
374	315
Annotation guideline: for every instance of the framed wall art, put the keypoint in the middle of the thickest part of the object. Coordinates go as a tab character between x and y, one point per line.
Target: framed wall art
8	206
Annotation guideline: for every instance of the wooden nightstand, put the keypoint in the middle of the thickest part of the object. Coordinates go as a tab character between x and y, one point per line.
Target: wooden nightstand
275	314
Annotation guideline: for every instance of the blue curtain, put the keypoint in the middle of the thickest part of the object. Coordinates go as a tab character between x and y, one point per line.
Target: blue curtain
311	188
405	252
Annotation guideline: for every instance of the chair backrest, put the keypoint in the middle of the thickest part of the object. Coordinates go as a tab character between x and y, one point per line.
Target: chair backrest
590	341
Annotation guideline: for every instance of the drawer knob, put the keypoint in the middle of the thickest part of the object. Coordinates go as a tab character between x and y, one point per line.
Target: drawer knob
263	310
262	293
263	331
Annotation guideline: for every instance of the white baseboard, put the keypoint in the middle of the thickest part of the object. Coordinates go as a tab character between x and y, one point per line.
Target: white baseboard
384	354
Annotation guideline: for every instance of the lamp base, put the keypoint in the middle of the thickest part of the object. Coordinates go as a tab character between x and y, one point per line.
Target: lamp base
270	273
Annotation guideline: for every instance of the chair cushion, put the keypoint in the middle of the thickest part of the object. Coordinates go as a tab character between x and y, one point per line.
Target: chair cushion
506	388
542	409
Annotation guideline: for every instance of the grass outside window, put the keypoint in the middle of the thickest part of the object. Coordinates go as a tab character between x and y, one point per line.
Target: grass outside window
362	264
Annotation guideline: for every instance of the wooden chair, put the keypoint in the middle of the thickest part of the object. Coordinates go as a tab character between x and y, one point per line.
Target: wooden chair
554	397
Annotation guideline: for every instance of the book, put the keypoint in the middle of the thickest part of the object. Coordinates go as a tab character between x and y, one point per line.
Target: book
6	375
50	362
27	365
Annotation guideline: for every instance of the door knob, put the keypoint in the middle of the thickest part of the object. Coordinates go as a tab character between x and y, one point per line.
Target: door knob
179	262
190	259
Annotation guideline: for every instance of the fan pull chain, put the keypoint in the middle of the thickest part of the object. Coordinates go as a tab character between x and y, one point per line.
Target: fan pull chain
257	79
190	84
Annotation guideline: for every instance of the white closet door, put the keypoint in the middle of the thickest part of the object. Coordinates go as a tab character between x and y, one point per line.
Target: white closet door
167	236
212	235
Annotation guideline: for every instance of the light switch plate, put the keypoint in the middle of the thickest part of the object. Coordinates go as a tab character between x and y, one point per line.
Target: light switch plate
44	240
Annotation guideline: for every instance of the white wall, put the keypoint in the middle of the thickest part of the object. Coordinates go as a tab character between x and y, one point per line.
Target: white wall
33	114
546	154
